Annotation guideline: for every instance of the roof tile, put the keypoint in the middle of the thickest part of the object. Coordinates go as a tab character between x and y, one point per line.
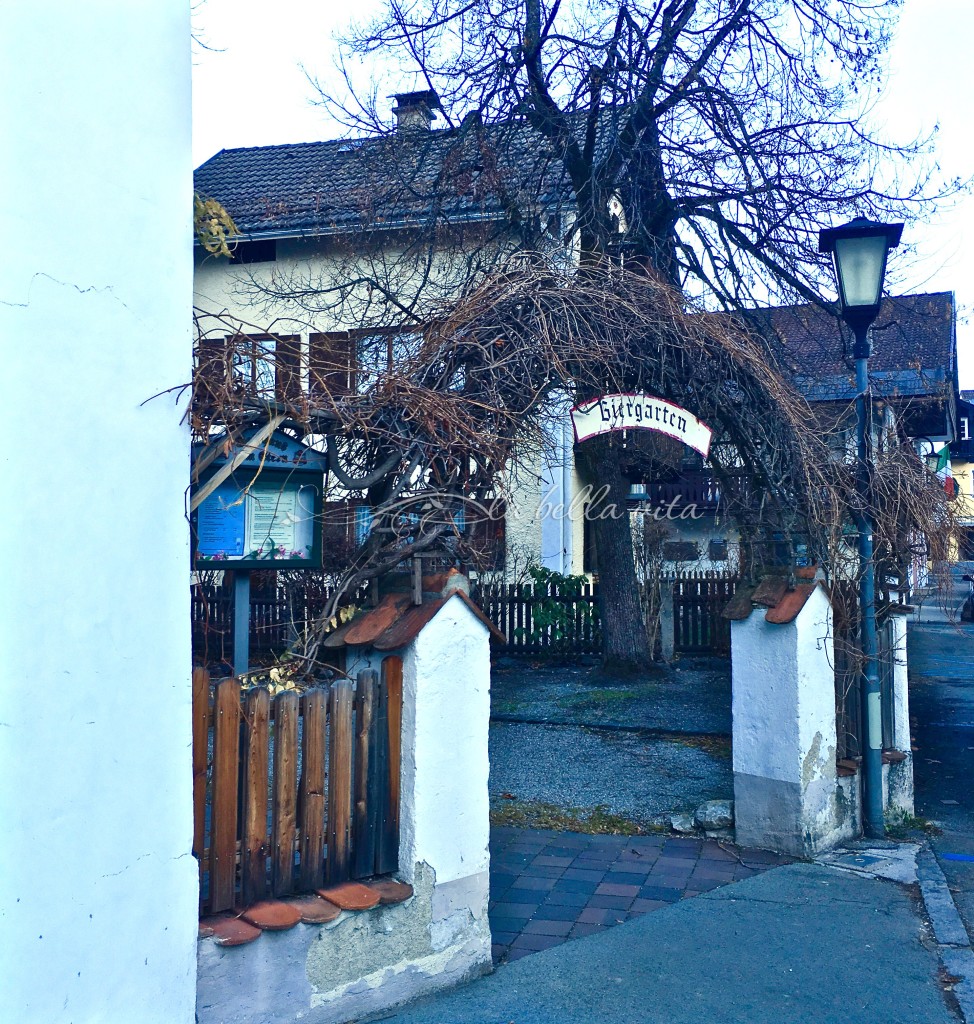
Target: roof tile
791	603
350	896
314	909
391	890
739	607
232	931
377	620
770	591
272	915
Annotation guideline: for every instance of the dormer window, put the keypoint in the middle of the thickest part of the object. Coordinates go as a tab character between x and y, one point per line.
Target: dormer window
264	251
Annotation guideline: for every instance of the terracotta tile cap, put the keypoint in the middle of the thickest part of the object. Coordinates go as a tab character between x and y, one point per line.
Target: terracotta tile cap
770	591
791	603
337	639
378	619
739	606
233	931
391	890
207	925
272	915
350	896
408	627
314	910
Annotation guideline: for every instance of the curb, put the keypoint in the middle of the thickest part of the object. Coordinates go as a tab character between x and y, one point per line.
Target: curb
956	954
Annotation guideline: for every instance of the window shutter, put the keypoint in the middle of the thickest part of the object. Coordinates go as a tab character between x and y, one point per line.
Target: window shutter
333	365
210	370
287	369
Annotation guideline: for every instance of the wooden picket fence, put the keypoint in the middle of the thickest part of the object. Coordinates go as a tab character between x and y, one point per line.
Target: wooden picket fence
515	609
294	792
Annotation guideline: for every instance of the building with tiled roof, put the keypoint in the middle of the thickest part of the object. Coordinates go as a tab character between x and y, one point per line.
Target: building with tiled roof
468	174
307	211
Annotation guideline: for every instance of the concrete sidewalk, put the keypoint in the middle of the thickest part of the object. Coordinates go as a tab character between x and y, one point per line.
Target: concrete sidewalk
804	943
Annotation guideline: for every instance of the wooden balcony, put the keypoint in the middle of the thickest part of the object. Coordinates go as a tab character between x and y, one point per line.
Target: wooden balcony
700	488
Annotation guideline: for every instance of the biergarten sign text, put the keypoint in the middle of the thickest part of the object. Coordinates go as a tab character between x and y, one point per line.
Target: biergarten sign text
639	412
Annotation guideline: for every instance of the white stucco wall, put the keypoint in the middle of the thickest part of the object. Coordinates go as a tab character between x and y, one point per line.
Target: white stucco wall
97	884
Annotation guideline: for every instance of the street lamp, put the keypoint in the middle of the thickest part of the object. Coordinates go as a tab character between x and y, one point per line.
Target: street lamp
859	250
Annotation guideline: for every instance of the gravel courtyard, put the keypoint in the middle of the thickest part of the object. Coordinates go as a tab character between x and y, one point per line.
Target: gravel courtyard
575	738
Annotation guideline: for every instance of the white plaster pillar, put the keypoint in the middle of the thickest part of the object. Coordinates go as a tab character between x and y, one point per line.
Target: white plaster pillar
446	715
97	882
898	776
784	732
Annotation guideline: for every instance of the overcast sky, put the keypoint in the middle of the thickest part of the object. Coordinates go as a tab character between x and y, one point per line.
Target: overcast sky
250	90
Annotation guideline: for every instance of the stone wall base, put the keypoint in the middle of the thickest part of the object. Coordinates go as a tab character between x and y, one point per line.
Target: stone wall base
775	815
360	964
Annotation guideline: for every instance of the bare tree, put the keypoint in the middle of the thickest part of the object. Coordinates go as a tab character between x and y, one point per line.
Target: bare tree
698	143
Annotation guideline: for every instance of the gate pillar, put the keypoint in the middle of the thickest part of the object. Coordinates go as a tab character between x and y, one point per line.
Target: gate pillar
786	796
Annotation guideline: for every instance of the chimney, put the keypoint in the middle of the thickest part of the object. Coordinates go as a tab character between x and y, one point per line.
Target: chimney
415	110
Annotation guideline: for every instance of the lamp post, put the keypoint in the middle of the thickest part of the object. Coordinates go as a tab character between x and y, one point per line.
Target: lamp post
859	250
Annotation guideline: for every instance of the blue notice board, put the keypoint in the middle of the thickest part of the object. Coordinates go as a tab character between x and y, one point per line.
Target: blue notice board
221	524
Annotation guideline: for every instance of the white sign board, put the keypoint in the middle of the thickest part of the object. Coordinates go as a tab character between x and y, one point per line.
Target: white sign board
640	412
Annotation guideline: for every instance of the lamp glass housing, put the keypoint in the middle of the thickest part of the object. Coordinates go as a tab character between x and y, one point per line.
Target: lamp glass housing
860	266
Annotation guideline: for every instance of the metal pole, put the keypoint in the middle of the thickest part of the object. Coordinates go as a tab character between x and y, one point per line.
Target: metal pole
873	816
241	622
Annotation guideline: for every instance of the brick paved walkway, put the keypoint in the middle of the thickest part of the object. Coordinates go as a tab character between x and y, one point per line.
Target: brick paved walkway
548	887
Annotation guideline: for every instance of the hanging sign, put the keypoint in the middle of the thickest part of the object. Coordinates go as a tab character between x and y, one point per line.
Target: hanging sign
640	412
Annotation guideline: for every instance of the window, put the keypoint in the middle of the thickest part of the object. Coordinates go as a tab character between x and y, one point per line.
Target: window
267	365
260	365
377	353
965	430
343	362
254	252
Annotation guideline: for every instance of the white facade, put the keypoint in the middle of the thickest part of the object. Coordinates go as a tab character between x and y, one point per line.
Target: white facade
97	883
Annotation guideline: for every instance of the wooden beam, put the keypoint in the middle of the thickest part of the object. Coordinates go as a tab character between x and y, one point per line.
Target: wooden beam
225	471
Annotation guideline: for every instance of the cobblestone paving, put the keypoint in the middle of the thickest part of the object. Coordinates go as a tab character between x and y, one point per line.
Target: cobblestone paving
548	887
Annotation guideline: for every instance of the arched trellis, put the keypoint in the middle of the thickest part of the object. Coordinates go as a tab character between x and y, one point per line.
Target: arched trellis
440	430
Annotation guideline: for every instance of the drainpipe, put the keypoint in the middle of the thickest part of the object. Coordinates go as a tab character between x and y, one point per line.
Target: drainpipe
567	438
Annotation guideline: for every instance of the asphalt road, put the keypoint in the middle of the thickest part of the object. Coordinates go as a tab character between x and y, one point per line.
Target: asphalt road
941	660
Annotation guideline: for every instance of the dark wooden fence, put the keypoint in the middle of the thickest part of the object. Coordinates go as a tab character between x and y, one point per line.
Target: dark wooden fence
294	791
275	620
540	619
699	626
537	619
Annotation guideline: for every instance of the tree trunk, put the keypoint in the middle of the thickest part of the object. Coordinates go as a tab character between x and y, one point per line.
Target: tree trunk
624	642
